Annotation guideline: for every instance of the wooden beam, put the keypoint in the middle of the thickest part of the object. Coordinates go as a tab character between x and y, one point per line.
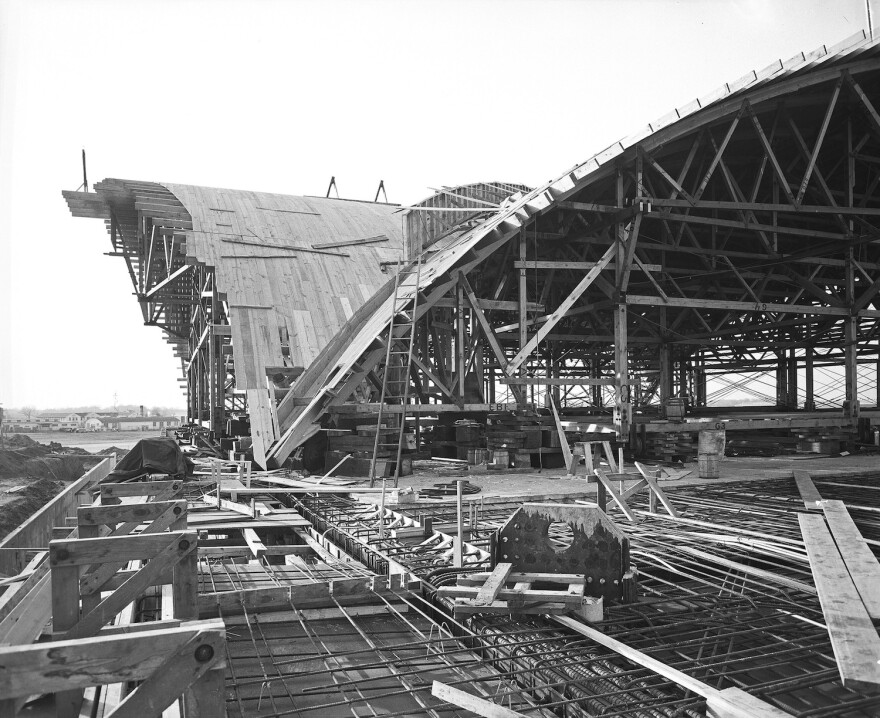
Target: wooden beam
548	264
819	140
170	278
618	498
554	318
563	441
694	303
493	585
571	380
65	665
853	637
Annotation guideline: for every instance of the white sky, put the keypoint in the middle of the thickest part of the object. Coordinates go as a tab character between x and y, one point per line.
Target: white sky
279	96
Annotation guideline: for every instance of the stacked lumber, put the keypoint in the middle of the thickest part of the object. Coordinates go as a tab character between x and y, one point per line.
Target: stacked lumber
675	445
521	435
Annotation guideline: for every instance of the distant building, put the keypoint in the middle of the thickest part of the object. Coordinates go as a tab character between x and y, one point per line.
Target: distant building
140	423
59	421
92	423
18	422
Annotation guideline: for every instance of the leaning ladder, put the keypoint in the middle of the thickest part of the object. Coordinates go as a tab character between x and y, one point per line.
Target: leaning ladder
401	319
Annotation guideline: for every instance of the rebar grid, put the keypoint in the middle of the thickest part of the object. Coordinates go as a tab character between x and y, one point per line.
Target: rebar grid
727	594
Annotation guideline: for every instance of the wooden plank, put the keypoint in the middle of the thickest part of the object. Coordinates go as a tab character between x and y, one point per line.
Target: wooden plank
655	487
26	620
529	595
351	242
138	488
807	489
859	559
489	590
731	705
563	441
253	542
478	706
127	513
65	665
79	552
305	595
853	636
617	498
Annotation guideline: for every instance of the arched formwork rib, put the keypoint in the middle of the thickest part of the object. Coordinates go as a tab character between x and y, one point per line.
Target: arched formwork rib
249	287
739	232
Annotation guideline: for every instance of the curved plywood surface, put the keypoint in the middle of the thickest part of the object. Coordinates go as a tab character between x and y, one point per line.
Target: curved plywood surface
269	254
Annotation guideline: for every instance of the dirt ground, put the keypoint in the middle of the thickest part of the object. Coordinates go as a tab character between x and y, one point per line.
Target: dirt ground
35	467
94	441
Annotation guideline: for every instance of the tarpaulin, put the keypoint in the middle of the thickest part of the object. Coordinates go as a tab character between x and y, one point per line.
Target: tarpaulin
151	456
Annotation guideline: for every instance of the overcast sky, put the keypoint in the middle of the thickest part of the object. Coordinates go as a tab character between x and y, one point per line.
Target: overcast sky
279	96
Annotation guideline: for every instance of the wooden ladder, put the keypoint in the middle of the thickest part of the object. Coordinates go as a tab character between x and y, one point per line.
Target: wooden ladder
402	316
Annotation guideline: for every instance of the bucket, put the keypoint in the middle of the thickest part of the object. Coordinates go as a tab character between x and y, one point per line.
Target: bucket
711	442
707	466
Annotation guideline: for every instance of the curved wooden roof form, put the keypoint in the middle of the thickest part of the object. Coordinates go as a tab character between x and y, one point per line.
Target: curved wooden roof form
741	225
272	276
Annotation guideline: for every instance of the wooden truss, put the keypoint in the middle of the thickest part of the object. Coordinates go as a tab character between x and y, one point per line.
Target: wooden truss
742	239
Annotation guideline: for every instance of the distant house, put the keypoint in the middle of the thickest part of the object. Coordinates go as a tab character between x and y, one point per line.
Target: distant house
141	423
92	423
59	421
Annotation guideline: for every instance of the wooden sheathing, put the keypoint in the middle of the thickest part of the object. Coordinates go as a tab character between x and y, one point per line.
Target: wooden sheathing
732	237
243	281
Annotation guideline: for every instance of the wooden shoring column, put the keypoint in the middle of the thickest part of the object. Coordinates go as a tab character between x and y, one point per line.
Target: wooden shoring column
597	388
622	418
851	330
664	389
809	400
460	353
851	336
523	300
700	381
781	379
792	378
